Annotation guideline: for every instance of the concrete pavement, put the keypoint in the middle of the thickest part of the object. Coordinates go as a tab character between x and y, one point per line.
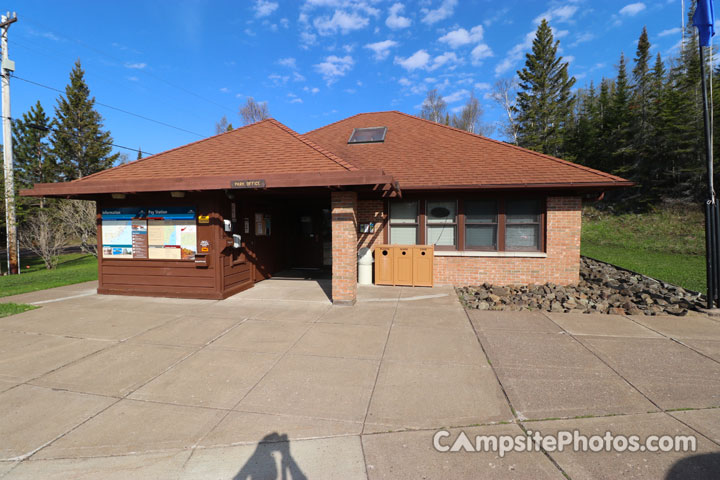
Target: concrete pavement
277	379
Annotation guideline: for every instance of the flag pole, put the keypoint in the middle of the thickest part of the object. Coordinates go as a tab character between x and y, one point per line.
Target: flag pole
711	204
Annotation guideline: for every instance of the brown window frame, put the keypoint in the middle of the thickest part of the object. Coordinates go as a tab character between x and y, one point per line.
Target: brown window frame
419	213
455	223
460	221
499	223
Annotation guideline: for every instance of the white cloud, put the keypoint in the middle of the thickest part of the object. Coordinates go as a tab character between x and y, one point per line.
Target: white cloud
224	90
296	100
440	60
312	90
445	10
284	22
568	59
417	60
515	54
334	67
395	20
136	66
263	8
582	38
381	49
287	62
340	21
307	39
458	38
133	79
278	79
405	82
480	52
456	96
297	77
632	9
483	86
558	14
560	33
670	31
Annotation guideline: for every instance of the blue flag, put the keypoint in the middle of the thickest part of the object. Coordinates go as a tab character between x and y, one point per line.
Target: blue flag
704	20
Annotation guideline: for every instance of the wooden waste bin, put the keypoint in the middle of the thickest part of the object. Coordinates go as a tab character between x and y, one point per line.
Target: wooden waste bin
384	265
407	265
423	266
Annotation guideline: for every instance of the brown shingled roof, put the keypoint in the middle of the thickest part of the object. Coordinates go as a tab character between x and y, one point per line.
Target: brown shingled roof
423	154
265	150
264	147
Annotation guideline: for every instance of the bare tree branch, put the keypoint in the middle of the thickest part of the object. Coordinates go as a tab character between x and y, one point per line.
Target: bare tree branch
79	218
45	235
434	107
505	94
253	111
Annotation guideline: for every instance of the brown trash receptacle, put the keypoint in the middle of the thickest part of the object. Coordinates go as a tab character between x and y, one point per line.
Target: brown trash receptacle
423	265
403	265
384	265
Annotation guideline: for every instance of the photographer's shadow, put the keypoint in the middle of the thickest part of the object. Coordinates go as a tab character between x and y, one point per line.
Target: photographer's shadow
263	465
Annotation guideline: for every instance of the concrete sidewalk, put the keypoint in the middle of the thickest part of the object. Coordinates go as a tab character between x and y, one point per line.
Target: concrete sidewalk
276	378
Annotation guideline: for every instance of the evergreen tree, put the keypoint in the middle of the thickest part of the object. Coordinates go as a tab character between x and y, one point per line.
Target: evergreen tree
640	101
140	155
544	99
79	142
32	155
620	125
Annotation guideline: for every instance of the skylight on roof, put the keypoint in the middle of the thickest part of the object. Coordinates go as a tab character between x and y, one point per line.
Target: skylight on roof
368	135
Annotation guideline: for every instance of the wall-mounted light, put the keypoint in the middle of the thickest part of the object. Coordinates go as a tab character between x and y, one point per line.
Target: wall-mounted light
177	194
118	196
230	194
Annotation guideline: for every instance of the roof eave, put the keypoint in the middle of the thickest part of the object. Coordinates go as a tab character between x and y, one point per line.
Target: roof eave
534	186
219	182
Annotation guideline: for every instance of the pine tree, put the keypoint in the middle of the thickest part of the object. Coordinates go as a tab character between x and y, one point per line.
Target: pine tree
544	98
621	124
139	155
640	100
79	142
33	158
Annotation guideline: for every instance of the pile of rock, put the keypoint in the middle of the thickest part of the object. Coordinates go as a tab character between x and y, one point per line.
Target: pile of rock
603	288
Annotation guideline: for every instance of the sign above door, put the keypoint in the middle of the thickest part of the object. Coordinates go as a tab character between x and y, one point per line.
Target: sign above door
247	183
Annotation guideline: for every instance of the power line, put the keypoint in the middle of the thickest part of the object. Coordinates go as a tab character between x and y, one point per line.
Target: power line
48	129
113	108
90	47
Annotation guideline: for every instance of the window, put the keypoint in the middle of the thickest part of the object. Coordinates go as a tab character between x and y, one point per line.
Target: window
368	135
471	222
441	218
522	224
481	224
403	222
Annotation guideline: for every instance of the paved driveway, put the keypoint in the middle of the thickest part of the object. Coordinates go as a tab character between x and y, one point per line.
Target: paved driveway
278	379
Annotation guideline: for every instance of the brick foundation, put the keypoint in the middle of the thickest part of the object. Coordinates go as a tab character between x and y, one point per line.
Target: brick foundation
561	266
344	206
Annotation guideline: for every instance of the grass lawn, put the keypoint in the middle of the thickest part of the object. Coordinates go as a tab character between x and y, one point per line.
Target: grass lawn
667	244
7	309
72	268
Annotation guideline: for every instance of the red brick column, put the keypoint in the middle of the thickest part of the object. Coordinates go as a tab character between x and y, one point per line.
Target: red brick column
344	247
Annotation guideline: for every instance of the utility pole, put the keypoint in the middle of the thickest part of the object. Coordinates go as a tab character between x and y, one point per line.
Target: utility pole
6	68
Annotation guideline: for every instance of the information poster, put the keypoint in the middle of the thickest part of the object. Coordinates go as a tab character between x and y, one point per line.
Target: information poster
117	231
139	239
171	233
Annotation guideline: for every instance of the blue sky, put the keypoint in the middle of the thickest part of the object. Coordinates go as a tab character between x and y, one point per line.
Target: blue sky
188	63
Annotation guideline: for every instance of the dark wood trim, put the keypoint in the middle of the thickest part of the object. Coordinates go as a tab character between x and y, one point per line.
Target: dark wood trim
217	182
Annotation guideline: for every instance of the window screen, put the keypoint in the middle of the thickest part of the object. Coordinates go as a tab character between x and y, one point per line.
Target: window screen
441	217
522	224
403	222
481	224
368	135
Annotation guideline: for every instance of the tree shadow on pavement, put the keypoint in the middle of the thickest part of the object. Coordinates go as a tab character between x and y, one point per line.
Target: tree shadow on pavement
263	465
696	467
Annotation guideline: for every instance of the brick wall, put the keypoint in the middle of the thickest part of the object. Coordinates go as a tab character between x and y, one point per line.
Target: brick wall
561	266
344	207
371	211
